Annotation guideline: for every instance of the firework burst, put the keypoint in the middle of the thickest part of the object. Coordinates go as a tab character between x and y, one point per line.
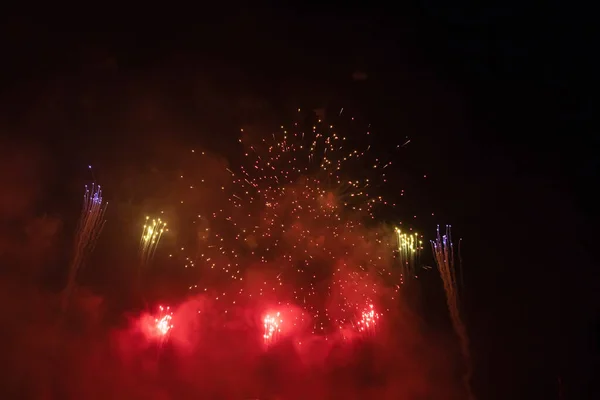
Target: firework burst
367	323
157	327
409	252
90	225
443	251
298	226
163	323
272	328
151	235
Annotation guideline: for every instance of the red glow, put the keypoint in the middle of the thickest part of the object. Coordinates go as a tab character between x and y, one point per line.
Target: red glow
163	325
158	327
272	325
368	320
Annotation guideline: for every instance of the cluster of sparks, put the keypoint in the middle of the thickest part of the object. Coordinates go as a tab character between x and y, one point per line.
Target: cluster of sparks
368	320
151	235
296	216
272	327
163	323
409	251
90	225
443	251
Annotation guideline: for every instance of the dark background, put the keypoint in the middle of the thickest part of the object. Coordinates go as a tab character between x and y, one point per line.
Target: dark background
496	101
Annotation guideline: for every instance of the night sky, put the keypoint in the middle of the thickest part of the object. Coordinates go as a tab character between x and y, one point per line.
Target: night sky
496	102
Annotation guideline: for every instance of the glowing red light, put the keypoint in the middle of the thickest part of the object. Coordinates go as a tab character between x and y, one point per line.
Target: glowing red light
272	327
368	320
163	324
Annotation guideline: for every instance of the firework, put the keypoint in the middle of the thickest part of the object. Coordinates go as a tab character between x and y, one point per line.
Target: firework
163	323
443	251
272	325
157	327
151	234
89	227
368	320
297	226
409	251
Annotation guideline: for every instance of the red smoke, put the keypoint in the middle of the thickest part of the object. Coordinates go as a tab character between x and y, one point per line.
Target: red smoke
97	352
83	356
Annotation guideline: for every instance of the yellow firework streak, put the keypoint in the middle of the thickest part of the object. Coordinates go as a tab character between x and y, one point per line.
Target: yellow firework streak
409	251
151	234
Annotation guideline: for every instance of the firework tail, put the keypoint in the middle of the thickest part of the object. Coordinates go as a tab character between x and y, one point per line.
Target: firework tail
90	225
151	235
443	252
409	249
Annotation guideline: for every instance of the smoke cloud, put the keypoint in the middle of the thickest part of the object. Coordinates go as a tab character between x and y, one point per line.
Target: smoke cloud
104	347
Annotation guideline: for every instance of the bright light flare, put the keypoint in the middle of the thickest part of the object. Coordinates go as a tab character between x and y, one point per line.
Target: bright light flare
368	320
272	325
163	324
159	326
